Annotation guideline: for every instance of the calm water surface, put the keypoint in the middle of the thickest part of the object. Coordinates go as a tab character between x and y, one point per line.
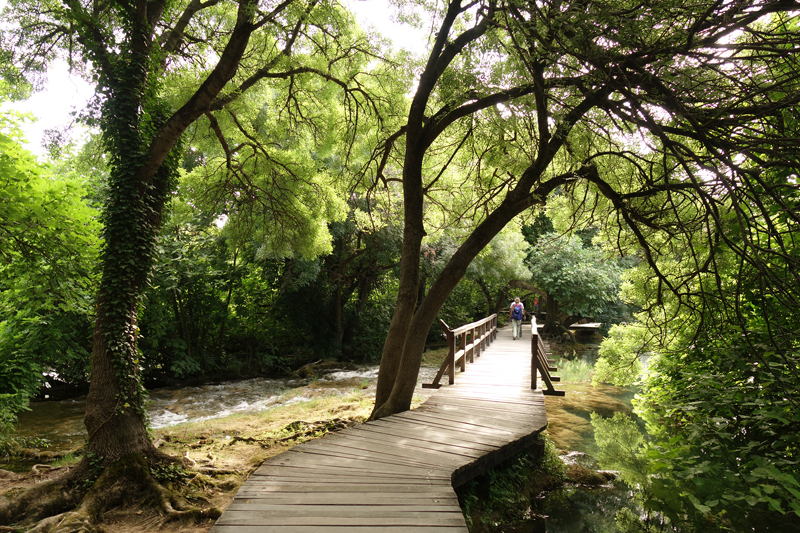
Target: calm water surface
574	509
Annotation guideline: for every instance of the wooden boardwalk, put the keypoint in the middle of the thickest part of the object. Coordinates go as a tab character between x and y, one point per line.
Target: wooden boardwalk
398	473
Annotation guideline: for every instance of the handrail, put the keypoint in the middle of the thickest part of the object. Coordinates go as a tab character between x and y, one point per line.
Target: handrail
541	364
479	334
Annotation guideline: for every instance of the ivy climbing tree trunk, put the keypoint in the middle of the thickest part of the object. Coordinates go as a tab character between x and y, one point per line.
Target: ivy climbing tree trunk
142	141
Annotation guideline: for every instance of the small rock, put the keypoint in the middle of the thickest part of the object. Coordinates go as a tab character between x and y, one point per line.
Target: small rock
9	476
585	476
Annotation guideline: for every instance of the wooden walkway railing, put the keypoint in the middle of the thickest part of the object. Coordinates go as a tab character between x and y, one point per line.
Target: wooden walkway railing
471	339
541	364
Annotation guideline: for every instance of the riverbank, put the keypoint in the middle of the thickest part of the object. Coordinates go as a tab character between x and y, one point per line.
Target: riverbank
223	452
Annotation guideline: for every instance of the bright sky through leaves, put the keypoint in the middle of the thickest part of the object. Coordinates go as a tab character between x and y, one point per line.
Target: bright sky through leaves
67	93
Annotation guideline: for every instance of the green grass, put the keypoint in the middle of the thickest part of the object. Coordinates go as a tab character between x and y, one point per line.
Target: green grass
434	358
573	371
69	459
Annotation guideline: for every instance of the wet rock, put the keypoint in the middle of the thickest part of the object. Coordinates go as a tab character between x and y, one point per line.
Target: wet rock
584	476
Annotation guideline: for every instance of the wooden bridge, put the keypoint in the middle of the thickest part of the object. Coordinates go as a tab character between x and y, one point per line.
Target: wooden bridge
399	473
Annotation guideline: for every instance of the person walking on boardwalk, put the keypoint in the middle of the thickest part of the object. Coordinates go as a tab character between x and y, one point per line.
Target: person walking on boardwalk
516	313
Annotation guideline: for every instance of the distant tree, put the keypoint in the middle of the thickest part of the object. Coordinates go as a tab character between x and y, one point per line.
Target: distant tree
50	243
495	272
579	282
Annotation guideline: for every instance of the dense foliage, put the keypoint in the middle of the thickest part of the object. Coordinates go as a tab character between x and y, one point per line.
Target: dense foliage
720	392
579	282
47	265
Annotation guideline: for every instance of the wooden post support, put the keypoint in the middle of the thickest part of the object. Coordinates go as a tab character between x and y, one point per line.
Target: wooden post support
534	352
540	363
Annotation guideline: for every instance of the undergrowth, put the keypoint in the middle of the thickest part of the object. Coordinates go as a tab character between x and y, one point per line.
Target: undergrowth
503	494
574	371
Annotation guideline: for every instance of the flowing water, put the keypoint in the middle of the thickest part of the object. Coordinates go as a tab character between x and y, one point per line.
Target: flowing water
61	422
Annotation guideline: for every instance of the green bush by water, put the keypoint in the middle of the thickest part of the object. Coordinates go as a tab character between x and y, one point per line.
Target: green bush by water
573	371
503	494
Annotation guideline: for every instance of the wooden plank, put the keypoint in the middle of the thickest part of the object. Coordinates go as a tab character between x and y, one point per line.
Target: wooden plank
405	446
397	474
337	529
434	418
429	437
528	397
439	429
346	479
384	454
261	486
326	517
260	518
355	464
315	471
343	510
450	412
508	408
503	417
335	498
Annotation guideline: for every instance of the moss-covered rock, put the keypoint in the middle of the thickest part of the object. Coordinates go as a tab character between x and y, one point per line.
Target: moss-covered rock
585	476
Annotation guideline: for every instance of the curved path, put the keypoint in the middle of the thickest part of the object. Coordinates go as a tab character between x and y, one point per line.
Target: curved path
398	473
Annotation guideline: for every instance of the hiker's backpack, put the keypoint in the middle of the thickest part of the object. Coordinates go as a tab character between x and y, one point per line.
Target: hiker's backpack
516	314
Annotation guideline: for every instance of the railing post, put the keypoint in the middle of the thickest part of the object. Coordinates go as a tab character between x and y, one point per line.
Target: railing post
451	351
534	352
479	339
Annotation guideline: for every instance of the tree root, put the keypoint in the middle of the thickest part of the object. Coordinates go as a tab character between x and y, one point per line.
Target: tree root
43	500
215	471
74	504
176	507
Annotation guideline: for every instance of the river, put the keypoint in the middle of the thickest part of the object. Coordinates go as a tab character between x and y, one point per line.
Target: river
61	422
568	510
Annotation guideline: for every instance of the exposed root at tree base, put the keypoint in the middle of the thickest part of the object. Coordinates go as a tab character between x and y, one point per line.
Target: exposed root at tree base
74	503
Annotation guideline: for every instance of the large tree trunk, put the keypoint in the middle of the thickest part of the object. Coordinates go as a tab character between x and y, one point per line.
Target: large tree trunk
417	143
395	396
116	427
407	292
115	406
551	323
142	167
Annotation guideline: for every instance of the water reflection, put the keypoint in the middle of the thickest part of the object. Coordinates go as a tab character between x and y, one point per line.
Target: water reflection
569	416
584	509
575	509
